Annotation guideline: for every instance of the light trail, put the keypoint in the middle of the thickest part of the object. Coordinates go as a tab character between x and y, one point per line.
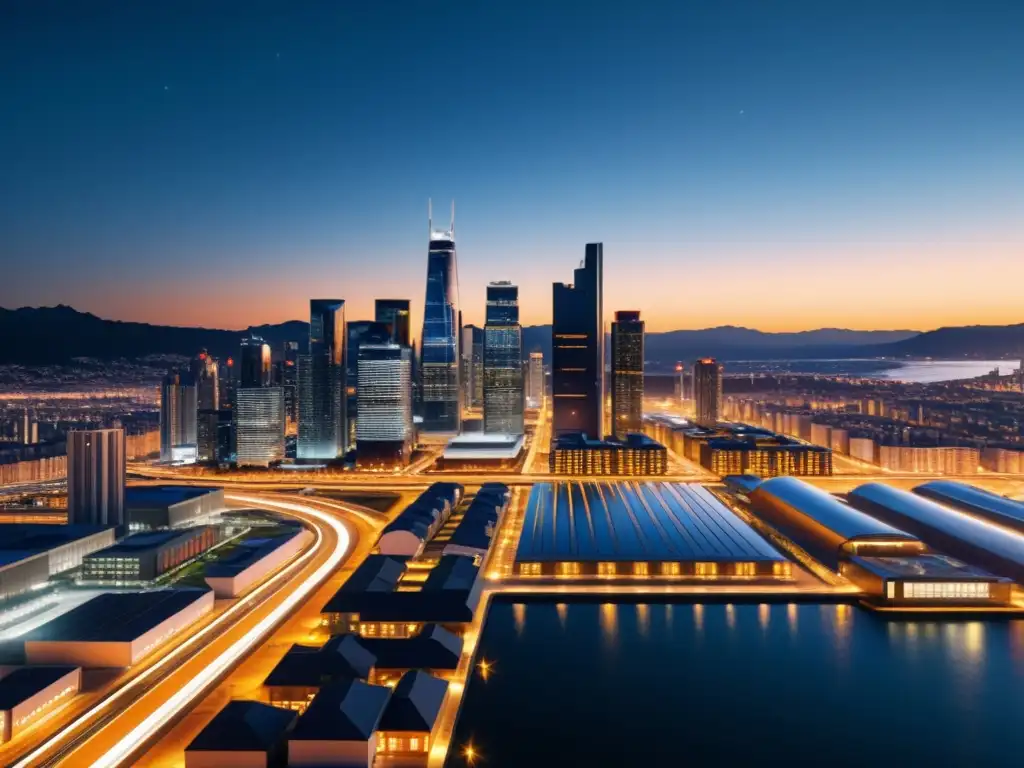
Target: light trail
195	687
139	733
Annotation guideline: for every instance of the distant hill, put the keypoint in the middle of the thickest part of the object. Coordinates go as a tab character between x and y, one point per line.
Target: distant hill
45	335
48	335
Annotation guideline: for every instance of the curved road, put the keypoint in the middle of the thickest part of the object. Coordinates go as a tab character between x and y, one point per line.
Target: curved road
112	731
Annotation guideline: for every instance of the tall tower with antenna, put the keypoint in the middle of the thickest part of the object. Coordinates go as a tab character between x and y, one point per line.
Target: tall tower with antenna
439	354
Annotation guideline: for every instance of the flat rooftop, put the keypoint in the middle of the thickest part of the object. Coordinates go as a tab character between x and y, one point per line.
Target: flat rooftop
579	440
115	616
476	445
164	495
26	682
30	538
143	542
924	567
626	521
250	551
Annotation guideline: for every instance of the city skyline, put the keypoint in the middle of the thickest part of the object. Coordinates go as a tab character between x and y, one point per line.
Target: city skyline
695	143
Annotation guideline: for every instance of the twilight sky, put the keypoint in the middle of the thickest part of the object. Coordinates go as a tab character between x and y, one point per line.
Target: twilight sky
782	165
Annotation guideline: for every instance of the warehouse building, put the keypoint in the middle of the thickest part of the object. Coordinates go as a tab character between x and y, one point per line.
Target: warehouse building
31	553
824	527
28	694
305	669
975	541
975	501
410	531
475	451
407	725
649	530
143	557
253	560
339	728
474	532
925	580
386	597
171	506
116	629
244	734
636	454
434	649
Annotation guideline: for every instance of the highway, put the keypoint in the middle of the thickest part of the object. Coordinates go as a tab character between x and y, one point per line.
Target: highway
114	729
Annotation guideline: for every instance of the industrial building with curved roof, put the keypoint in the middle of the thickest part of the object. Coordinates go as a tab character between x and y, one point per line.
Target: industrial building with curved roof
977	501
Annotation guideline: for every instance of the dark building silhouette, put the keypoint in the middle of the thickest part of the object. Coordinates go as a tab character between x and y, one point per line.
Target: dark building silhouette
96	477
394	313
322	406
707	391
577	354
255	363
627	374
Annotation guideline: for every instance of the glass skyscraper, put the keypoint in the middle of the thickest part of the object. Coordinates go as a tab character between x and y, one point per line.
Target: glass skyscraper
439	369
503	361
395	314
577	349
707	391
384	429
322	408
627	374
255	364
178	409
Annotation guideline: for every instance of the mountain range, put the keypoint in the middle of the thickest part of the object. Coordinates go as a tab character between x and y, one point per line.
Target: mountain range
49	335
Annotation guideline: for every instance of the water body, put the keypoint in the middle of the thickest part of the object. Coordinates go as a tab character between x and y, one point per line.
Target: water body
919	371
742	685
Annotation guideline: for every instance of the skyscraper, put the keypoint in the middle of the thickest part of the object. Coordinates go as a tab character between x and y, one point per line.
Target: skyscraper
178	435
503	361
227	383
255	363
627	374
384	428
439	369
215	435
707	391
96	476
204	374
577	355
322	406
290	385
259	426
535	380
394	313
473	366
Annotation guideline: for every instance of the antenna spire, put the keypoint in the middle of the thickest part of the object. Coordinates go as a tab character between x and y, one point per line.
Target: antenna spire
430	217
453	219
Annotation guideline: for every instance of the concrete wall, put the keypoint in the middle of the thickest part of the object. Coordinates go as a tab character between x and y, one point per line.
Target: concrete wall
225	759
335	754
19	577
20	716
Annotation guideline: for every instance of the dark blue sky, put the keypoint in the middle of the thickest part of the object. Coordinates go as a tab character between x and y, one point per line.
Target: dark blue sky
777	164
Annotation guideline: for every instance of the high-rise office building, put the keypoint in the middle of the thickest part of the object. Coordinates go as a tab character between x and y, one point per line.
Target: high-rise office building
384	429
290	384
473	366
322	406
355	331
439	361
577	354
205	375
28	429
627	374
503	361
679	381
259	426
178	418
394	313
227	383
707	391
255	363
215	435
535	380
96	476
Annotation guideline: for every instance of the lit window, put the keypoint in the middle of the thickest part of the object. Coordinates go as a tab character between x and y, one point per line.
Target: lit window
670	569
606	569
568	569
640	569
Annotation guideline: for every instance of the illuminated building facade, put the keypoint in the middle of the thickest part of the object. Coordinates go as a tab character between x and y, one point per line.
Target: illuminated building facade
725	456
503	361
215	430
473	366
259	426
96	476
627	374
322	401
439	369
384	429
637	455
707	386
143	557
354	333
178	418
535	380
394	313
577	356
204	371
290	384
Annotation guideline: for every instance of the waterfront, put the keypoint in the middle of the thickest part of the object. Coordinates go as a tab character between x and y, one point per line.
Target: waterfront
713	684
912	371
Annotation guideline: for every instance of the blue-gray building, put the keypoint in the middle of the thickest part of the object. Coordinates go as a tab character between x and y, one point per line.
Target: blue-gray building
439	369
503	361
322	408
